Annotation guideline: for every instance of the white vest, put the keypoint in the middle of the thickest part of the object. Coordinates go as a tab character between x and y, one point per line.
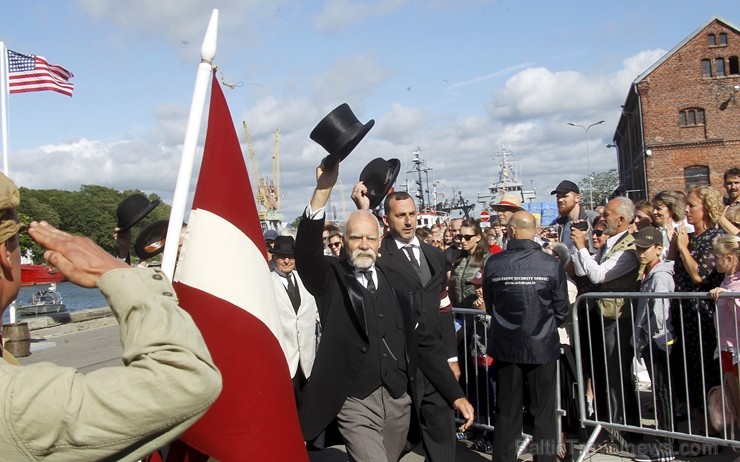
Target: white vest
299	329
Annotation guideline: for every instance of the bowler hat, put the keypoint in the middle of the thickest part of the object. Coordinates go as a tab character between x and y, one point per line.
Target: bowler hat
508	201
133	209
378	177
565	187
150	241
284	245
339	133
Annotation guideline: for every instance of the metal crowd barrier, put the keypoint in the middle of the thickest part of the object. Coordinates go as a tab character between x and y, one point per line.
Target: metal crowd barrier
591	351
472	337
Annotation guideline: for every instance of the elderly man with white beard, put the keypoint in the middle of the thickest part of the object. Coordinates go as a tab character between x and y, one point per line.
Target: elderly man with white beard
372	341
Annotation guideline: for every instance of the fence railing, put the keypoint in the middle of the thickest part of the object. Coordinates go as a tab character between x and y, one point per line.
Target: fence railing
671	408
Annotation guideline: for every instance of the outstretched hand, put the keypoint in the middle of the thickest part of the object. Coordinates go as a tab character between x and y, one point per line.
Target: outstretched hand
359	196
326	177
78	258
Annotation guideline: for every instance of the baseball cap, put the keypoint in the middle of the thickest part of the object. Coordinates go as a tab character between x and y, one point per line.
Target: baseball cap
648	237
477	278
270	235
565	187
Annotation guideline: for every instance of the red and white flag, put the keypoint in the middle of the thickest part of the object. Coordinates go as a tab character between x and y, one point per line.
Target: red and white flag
33	73
223	281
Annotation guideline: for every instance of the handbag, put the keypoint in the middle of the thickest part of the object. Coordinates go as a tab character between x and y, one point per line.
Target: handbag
721	410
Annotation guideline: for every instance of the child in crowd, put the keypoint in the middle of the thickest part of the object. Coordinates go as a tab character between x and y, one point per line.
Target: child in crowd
726	250
654	334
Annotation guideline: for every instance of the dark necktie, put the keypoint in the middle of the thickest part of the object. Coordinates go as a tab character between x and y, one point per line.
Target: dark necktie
293	294
369	280
410	252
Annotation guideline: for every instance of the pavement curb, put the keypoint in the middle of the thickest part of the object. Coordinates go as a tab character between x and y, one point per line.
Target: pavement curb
56	324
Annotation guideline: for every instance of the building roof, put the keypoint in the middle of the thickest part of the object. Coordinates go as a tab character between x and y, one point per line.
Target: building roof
680	45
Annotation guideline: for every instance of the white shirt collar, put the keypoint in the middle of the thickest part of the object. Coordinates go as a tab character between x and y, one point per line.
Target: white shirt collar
414	242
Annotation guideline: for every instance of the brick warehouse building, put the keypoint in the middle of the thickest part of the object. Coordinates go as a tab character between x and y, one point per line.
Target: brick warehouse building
680	124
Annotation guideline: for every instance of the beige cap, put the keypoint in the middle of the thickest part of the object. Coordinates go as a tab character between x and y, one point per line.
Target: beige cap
9	200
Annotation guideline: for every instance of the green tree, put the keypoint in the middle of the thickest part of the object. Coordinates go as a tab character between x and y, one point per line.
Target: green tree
604	183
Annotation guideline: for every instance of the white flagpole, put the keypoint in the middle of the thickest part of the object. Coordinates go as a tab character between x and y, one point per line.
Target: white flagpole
182	187
4	104
4	122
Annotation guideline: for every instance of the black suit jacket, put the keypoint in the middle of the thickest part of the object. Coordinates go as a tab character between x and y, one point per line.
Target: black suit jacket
344	340
434	335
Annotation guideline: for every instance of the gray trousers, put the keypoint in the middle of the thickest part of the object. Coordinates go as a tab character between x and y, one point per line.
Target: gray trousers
374	428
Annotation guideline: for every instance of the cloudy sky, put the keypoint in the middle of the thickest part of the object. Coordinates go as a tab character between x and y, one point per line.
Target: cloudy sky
458	79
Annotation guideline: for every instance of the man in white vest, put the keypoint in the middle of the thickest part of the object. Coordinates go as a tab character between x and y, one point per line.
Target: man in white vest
299	317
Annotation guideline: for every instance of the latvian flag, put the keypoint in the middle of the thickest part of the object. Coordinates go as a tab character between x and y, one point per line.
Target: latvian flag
223	281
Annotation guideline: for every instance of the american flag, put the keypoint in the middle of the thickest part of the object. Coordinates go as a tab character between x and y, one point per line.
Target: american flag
34	73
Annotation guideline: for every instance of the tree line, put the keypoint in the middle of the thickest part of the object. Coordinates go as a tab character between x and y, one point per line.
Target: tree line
90	212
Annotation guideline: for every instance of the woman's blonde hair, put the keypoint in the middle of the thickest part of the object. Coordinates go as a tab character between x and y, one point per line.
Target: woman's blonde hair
711	199
727	244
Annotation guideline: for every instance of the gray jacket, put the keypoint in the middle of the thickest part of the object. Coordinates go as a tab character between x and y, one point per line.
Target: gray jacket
653	315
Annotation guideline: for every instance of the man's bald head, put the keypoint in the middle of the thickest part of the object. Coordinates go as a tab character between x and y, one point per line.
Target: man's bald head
522	226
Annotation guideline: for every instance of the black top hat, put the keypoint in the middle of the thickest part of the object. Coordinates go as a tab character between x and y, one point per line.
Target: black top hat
339	133
133	209
284	245
378	176
150	241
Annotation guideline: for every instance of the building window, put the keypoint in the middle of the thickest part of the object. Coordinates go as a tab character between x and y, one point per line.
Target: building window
696	175
734	65
719	67
712	39
691	117
723	39
706	68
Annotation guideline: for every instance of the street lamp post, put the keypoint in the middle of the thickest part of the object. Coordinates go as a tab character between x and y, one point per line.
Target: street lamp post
588	160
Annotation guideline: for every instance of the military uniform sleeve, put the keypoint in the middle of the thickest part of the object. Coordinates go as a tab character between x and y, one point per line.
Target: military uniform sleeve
115	413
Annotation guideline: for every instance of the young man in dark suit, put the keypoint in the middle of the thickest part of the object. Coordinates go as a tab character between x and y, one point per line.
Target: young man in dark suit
418	268
372	341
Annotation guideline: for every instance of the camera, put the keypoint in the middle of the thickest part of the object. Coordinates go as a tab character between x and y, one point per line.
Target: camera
581	225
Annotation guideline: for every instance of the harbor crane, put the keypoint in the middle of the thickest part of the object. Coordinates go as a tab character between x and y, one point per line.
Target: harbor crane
267	190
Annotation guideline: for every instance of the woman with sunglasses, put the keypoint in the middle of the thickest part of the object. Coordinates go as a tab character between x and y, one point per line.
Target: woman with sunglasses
474	255
335	241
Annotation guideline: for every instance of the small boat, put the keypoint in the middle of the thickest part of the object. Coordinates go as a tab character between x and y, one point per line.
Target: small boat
43	302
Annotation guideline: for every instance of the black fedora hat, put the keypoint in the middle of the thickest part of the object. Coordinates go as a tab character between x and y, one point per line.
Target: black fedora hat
150	241
133	209
378	177
284	245
339	133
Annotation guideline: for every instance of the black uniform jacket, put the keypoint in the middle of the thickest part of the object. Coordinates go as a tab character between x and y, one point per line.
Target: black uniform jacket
526	293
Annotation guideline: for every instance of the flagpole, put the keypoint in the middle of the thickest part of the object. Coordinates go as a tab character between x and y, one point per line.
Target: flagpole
4	123
4	104
182	187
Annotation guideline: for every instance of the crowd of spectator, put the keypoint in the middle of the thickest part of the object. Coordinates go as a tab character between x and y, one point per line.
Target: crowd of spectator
673	241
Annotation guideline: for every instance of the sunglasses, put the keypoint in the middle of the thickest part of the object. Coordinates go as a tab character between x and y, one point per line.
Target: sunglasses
467	237
335	244
598	232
